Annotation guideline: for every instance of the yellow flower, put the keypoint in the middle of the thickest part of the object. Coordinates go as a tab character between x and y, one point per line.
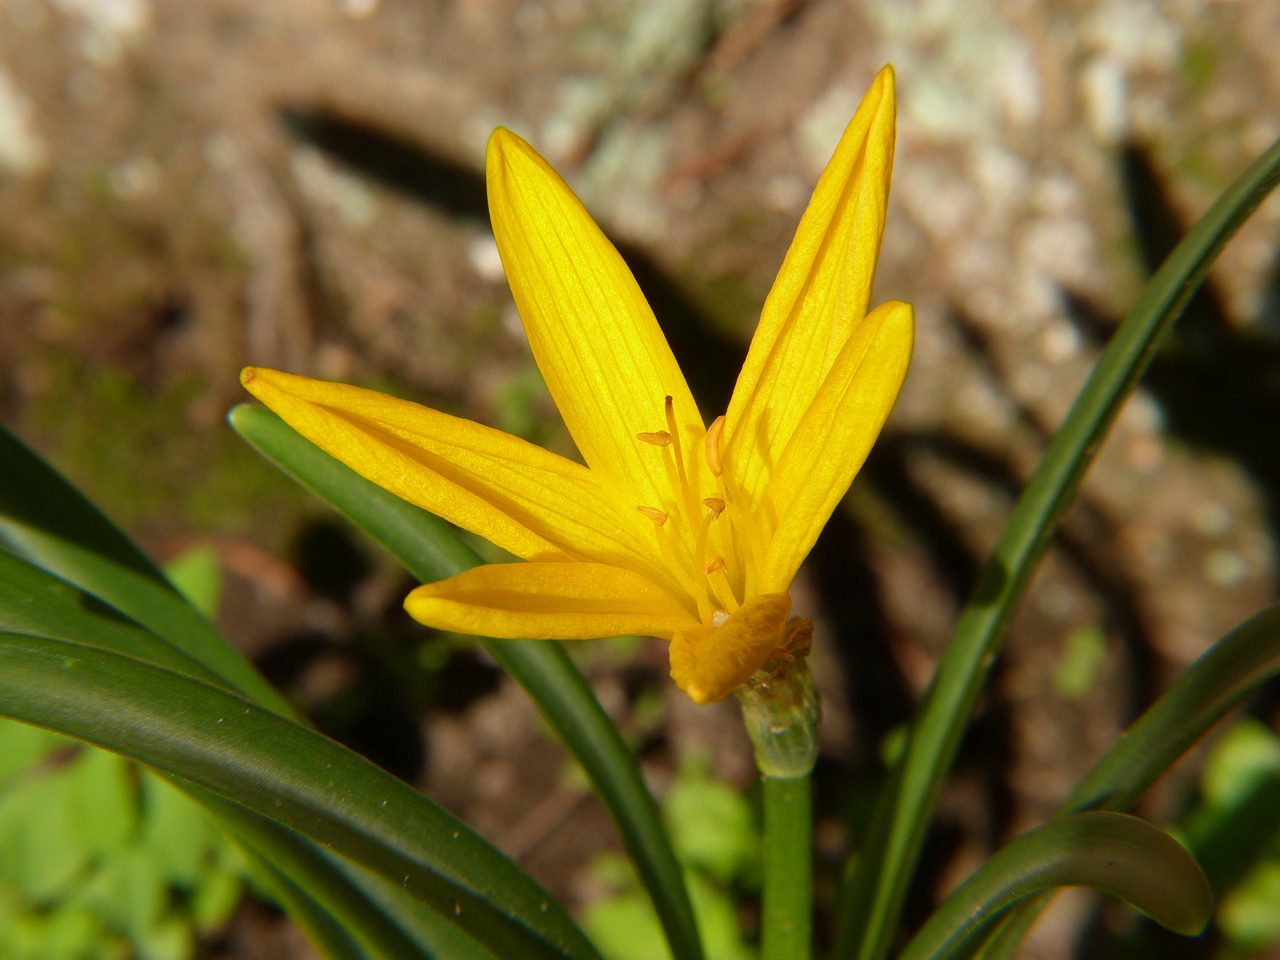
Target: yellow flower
672	529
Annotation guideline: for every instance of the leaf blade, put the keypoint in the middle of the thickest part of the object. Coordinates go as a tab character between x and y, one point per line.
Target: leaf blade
430	550
871	903
1113	852
47	521
268	764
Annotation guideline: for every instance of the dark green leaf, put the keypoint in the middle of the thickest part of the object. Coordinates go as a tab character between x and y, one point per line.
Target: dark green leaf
287	773
871	904
46	520
1112	852
378	915
1230	671
430	550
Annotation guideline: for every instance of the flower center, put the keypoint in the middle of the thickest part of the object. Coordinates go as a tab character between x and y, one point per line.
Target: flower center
708	551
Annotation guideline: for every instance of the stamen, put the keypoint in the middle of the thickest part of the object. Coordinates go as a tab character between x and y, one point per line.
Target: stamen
717	563
715	505
654	514
713	446
659	438
690	505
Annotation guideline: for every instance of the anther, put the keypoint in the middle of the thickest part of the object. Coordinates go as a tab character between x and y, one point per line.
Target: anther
717	563
659	438
654	514
715	505
713	446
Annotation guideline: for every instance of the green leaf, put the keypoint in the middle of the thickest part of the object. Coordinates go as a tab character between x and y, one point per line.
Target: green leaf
1112	852
871	904
712	826
35	601
46	520
21	746
314	886
1083	655
290	774
41	848
1227	673
197	575
352	914
430	550
1248	917
105	800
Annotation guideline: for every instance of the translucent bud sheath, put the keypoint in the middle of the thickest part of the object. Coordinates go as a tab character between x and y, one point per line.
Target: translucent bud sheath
782	716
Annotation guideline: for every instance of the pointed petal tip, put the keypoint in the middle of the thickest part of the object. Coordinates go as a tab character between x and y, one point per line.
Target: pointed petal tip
502	139
505	148
897	319
259	379
885	84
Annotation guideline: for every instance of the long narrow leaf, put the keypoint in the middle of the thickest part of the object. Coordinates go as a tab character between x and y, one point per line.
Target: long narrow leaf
1112	852
1227	674
430	550
315	885
232	747
35	601
872	903
349	920
46	520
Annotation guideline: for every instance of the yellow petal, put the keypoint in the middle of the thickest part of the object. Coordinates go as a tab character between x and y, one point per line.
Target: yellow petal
835	436
549	601
600	350
709	664
519	496
820	295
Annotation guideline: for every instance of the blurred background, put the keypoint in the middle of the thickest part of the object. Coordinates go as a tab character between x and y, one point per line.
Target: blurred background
187	187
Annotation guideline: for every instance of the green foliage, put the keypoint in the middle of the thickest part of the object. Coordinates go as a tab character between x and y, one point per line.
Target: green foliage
101	860
1234	830
715	834
871	904
1082	657
197	575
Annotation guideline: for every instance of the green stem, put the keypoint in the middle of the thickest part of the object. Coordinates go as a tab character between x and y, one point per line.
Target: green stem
788	868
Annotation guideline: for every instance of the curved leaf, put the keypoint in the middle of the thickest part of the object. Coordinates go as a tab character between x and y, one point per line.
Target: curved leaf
343	912
232	747
1221	679
309	881
1112	852
872	902
350	920
1224	676
46	520
430	550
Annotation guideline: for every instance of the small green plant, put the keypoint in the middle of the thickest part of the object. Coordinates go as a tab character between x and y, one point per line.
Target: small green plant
100	858
653	537
716	836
